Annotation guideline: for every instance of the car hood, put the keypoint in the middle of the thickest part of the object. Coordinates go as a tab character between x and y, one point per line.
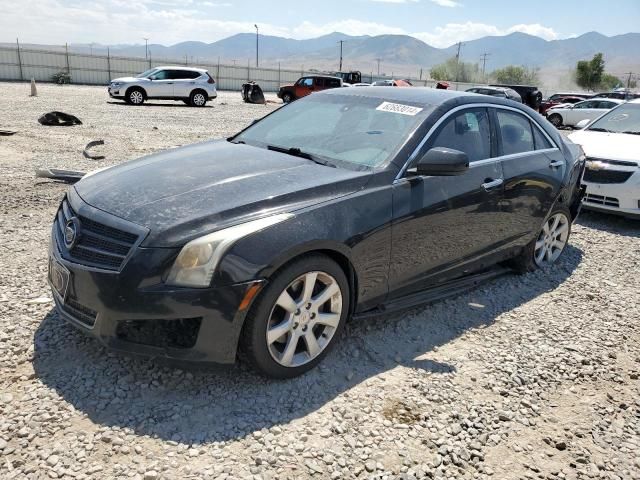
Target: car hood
609	146
127	79
186	192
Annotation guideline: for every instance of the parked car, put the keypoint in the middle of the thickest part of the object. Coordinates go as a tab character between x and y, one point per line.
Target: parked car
265	243
193	86
306	85
501	92
569	115
351	77
612	146
558	100
618	94
530	94
391	83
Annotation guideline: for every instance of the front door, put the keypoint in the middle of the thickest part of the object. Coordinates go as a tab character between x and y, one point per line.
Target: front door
444	227
587	110
303	87
161	84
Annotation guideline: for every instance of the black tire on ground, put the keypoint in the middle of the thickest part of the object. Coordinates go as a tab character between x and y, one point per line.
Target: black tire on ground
254	348
525	261
287	98
135	96
555	119
198	98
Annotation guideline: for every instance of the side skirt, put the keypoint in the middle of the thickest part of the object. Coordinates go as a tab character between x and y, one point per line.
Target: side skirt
440	292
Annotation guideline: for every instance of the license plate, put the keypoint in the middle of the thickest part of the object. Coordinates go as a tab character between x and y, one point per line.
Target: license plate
59	278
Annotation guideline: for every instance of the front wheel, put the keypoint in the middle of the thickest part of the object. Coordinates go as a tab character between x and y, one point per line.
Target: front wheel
297	318
551	241
555	119
287	98
135	96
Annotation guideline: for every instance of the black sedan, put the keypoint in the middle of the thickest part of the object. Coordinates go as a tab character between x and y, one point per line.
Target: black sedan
347	203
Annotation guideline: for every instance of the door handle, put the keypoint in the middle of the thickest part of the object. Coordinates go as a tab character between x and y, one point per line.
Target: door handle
492	183
556	164
169	83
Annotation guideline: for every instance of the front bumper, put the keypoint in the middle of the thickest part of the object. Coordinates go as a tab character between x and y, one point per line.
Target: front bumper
617	198
115	92
133	311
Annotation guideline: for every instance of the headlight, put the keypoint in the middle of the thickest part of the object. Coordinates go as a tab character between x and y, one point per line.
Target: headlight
199	258
116	84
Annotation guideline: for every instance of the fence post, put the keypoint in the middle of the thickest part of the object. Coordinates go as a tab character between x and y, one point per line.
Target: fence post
19	60
218	72
109	64
248	70
66	55
279	81
149	58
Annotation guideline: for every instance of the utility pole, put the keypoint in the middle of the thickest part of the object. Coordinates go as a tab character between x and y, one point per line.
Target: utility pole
257	35
91	48
629	80
378	60
460	44
146	47
340	42
484	63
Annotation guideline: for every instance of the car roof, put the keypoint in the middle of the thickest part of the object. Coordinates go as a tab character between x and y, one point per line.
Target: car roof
636	100
313	75
178	67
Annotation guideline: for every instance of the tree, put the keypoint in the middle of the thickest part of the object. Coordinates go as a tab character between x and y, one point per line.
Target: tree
516	75
589	72
453	70
609	82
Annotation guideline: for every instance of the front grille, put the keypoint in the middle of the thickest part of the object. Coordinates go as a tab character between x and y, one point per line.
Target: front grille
98	245
79	312
606	176
174	333
601	200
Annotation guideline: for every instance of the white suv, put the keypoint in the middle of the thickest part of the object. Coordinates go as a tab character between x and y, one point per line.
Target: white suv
194	86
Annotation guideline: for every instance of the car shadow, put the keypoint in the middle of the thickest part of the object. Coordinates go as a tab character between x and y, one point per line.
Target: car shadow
178	104
629	227
202	405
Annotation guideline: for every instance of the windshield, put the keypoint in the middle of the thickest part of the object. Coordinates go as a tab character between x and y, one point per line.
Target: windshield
623	119
147	73
344	129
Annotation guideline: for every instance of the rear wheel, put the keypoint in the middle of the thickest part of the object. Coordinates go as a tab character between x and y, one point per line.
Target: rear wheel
555	119
135	96
297	318
198	98
287	98
548	245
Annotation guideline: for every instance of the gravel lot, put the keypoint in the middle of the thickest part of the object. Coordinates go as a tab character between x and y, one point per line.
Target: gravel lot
534	376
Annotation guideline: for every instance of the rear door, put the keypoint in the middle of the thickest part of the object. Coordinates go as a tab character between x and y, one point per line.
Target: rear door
534	168
184	82
161	84
444	227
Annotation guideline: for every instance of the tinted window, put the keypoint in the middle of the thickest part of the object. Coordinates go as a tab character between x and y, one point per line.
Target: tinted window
307	82
587	104
183	74
320	82
515	132
606	105
540	140
333	82
467	131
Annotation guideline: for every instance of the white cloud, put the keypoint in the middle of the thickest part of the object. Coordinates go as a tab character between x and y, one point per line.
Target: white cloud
446	3
455	32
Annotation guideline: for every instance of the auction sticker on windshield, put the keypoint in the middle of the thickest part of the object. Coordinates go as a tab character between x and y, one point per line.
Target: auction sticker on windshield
399	108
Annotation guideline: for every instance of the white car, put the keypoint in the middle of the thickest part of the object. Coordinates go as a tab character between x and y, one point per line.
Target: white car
612	175
193	86
569	115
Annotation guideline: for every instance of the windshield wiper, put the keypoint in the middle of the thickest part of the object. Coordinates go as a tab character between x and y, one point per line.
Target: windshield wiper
296	152
599	129
632	132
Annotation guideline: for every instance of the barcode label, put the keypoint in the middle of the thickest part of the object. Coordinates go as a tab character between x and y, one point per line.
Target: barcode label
399	108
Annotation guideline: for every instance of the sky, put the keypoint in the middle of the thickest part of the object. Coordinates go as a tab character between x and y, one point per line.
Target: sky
439	23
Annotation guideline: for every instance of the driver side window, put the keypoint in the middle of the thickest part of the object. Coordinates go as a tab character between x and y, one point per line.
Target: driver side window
468	131
160	75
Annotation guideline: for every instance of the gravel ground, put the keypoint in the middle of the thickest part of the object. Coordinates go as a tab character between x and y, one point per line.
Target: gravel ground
531	376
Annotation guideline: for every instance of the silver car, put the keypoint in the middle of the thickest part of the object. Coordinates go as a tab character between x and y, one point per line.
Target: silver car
194	86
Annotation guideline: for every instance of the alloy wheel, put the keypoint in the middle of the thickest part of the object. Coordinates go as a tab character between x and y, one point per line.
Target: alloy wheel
199	100
136	97
552	240
304	319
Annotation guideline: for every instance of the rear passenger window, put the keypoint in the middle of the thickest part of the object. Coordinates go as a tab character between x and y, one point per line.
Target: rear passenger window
540	140
183	74
320	82
467	131
515	132
333	83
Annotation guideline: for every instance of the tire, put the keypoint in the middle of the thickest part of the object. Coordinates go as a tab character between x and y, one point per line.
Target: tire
135	96
289	350
548	245
198	98
555	119
287	98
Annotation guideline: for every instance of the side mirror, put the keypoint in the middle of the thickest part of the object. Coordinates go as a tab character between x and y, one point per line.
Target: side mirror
441	161
583	123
